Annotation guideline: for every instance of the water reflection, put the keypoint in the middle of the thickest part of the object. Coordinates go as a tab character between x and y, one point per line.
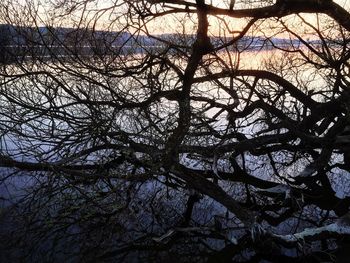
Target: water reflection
122	212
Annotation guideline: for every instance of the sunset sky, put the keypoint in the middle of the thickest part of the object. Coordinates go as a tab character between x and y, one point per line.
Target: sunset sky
168	24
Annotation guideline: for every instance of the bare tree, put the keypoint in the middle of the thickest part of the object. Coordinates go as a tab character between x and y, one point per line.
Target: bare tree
141	130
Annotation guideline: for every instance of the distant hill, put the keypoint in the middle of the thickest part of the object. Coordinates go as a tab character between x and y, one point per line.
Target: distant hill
23	42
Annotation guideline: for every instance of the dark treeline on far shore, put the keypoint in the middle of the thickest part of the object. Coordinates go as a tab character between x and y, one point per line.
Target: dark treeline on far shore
19	43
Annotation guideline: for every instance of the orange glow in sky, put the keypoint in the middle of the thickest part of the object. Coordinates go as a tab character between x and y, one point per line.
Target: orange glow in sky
102	16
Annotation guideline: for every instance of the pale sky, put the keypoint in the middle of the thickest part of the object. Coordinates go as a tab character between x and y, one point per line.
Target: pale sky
169	24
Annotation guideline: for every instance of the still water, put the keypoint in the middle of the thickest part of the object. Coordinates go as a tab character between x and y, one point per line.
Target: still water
111	217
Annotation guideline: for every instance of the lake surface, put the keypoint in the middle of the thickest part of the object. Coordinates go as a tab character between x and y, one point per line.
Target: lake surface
76	221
